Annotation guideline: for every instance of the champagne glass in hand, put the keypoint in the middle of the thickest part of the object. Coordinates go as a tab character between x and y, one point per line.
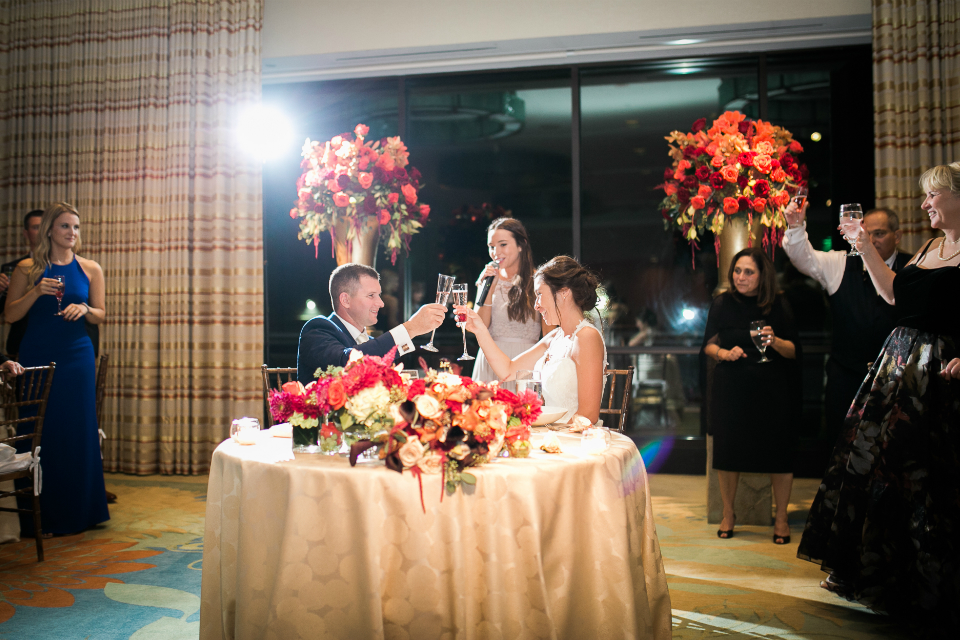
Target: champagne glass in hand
756	327
849	213
444	285
61	287
800	198
460	300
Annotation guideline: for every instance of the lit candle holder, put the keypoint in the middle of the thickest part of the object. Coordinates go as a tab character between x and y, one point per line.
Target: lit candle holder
245	430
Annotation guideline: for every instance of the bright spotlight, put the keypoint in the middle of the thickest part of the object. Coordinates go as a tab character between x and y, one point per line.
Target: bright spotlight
689	314
815	136
264	132
684	41
311	305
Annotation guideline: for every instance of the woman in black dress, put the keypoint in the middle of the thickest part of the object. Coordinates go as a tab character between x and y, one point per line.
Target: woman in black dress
885	525
752	405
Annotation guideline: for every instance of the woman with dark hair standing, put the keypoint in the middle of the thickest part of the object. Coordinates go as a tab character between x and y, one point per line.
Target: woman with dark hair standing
571	359
508	310
74	498
752	405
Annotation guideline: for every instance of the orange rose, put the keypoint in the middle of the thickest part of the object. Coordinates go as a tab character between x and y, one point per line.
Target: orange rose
385	162
336	396
762	163
362	130
670	188
778	175
697	202
341	199
384	216
717	161
294	388
796	147
729	173
409	193
730	206
365	180
763	148
334	186
704	191
759	205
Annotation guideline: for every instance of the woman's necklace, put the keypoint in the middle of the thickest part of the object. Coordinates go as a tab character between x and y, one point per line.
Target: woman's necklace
951	256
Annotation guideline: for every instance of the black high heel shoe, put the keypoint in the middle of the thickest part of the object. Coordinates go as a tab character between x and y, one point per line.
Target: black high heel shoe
726	534
781	539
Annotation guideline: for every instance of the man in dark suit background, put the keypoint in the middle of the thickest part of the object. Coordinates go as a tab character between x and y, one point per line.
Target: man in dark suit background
355	295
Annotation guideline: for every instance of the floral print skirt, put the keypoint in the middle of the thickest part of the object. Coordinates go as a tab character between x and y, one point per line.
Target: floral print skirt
886	521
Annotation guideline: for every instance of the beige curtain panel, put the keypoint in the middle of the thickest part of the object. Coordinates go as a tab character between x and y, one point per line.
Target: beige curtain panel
126	109
916	79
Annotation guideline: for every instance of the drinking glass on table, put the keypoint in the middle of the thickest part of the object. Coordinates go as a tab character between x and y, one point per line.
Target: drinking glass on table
530	380
755	332
460	292
849	213
444	286
61	287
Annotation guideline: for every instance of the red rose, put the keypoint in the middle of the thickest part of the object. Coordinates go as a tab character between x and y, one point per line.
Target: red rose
384	216
361	130
336	396
697	202
690	182
393	198
796	147
699	125
341	199
703	174
670	188
759	204
409	193
343	181
365	180
730	173
761	188
743	181
762	163
424	211
787	161
744	126
746	158
683	195
744	204
668	174
730	206
717	181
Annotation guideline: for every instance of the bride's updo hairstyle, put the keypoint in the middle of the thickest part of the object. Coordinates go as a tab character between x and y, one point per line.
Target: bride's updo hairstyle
563	272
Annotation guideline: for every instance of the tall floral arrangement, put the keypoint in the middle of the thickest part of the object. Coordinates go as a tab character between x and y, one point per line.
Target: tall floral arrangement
351	179
737	168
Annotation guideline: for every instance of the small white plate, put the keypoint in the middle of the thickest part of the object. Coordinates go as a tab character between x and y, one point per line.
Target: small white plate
548	415
284	430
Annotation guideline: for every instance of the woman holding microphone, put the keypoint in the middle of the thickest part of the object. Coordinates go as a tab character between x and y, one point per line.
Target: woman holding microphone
508	309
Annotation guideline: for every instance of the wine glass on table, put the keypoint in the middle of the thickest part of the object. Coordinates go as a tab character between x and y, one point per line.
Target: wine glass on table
444	286
61	287
755	328
800	197
460	292
848	213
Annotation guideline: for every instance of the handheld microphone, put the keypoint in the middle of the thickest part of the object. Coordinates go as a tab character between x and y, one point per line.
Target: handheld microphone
485	286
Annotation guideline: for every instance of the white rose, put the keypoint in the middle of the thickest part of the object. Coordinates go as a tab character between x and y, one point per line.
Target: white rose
449	379
428	406
411	452
431	464
368	401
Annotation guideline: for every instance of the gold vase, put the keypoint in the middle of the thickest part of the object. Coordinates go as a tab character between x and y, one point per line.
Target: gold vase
363	248
733	239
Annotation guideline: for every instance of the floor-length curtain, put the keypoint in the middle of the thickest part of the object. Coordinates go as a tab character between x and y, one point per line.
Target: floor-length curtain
916	76
126	109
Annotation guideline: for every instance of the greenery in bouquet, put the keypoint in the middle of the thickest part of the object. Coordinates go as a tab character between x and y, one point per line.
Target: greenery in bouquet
737	168
348	178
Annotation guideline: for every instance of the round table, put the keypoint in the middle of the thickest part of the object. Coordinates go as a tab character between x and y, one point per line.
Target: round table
553	546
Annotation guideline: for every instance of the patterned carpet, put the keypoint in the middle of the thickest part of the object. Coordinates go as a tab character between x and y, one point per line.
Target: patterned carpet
138	577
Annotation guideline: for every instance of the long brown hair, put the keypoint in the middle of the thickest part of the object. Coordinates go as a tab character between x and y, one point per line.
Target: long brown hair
521	298
41	256
767	284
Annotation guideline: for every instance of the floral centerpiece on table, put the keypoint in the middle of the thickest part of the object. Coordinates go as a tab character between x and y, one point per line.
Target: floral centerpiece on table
349	178
737	168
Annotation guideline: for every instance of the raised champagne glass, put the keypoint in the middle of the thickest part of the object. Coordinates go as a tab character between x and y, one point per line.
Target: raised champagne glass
61	287
755	328
460	300
850	212
444	286
800	197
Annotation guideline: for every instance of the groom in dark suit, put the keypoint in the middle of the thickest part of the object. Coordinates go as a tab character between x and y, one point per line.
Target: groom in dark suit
355	295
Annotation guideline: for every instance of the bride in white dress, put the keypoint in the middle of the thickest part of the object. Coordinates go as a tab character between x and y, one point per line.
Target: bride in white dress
572	357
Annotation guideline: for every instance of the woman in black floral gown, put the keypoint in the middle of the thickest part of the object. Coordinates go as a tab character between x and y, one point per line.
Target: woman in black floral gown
885	524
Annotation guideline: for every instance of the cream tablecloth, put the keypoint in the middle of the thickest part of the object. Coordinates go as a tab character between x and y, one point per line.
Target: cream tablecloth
555	546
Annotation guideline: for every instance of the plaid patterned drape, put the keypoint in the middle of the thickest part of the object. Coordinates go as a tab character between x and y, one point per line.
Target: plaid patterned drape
125	109
916	76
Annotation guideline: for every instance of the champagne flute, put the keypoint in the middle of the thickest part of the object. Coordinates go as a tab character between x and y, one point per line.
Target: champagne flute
61	287
800	197
444	285
460	292
850	212
755	328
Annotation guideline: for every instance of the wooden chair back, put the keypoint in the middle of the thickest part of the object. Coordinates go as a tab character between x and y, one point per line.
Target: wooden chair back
274	379
30	390
614	375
